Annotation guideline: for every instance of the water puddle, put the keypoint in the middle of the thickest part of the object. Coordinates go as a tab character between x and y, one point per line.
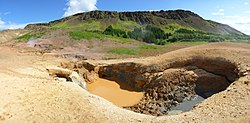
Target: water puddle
120	94
186	105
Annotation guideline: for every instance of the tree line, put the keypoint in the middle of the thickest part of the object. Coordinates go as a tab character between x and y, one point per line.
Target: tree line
153	34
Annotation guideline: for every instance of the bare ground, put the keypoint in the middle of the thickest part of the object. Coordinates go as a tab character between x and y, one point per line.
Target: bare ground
29	94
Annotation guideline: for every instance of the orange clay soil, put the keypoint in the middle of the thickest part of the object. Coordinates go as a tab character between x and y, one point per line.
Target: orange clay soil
29	94
115	92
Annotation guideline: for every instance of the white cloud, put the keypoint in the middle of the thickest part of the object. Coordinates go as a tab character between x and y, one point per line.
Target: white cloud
246	3
6	13
1	22
15	26
77	6
238	22
9	25
219	12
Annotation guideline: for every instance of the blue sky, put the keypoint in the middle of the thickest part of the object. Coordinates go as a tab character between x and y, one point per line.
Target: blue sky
17	13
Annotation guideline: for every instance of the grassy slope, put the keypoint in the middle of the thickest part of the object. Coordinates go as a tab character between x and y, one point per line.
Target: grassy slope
100	26
79	32
28	36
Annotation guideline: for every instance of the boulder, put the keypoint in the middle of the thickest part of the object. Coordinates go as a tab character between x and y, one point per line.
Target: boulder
69	75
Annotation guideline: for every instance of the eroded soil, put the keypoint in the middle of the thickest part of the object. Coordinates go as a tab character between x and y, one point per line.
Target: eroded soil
29	94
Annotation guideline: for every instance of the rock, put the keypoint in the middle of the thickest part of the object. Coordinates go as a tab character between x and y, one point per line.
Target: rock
170	96
59	72
88	76
69	75
179	99
68	65
163	110
61	79
74	76
245	73
174	112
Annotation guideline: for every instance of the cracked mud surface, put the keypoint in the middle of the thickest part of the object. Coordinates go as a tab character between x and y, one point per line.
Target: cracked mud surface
29	94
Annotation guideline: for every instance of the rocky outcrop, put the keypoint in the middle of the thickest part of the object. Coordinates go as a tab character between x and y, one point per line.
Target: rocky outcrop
67	75
167	85
86	70
164	85
176	86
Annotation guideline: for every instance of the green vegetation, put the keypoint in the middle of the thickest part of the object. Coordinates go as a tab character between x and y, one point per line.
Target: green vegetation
146	46
171	28
115	32
150	34
125	25
171	33
60	26
123	31
78	35
186	35
121	51
28	36
192	43
85	26
90	26
151	27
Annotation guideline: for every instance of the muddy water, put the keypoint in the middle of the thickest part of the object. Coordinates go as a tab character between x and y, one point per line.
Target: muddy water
119	94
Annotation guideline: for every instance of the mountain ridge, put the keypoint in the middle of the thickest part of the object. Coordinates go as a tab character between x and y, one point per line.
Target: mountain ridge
161	18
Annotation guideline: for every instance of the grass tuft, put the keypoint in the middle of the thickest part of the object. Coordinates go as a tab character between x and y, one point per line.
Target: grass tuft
78	35
121	51
147	47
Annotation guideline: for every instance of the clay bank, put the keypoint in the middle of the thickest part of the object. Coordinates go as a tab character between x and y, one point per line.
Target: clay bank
165	86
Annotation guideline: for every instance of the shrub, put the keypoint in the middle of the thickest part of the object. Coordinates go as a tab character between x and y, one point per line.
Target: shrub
115	32
157	32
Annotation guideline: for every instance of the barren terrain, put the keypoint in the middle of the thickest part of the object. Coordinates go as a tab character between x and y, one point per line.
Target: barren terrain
29	94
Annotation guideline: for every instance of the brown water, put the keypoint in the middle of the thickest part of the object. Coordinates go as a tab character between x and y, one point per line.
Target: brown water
120	94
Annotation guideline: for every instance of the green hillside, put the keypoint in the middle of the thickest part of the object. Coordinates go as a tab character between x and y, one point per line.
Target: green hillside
157	27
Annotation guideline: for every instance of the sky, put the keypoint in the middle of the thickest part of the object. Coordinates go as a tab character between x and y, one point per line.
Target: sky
16	14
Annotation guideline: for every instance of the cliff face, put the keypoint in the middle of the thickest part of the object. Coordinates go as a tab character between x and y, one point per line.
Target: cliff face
157	18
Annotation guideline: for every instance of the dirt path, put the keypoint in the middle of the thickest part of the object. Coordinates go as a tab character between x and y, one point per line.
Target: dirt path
29	94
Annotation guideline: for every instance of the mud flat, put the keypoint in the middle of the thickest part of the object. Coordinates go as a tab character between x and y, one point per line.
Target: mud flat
120	94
